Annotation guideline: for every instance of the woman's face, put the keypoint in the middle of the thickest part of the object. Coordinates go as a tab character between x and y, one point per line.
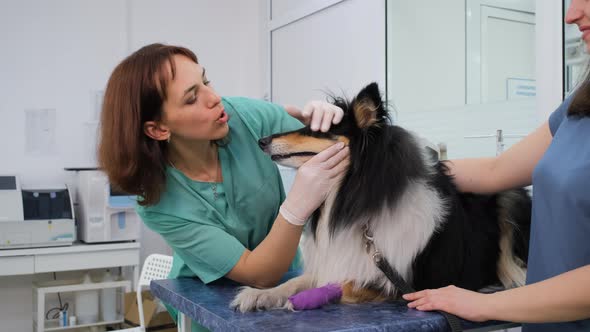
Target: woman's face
579	13
192	110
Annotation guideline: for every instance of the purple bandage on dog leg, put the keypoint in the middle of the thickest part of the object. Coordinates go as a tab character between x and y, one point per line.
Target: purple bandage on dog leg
316	297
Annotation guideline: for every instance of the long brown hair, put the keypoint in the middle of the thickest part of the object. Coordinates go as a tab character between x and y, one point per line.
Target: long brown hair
580	105
135	93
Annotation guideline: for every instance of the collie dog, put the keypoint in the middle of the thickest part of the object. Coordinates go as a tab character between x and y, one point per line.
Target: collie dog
427	230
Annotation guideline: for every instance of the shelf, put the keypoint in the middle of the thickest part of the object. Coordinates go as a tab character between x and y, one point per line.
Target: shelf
40	290
52	324
81	286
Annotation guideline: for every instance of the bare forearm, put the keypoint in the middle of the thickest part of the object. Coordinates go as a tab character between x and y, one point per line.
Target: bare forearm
272	257
267	263
472	175
491	175
563	298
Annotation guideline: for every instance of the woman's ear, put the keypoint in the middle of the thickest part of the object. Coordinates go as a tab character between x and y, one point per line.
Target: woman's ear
156	130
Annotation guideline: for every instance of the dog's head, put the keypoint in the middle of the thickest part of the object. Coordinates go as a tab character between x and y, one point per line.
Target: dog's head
362	116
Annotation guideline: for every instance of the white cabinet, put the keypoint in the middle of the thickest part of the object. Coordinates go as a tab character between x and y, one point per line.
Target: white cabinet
80	256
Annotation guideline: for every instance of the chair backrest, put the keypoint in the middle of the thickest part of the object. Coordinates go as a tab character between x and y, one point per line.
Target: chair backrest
155	267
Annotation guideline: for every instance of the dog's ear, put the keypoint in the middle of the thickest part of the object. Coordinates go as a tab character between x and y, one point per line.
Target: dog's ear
366	105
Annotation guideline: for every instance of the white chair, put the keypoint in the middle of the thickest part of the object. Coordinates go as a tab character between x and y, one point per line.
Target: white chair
155	267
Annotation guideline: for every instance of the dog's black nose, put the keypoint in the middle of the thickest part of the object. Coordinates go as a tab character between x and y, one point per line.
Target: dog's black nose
264	142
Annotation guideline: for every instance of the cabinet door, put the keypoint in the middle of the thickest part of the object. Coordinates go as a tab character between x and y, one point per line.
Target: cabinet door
86	260
17	265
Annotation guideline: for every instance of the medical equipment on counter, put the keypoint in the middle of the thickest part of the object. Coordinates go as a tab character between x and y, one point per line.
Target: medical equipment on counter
11	201
34	217
105	214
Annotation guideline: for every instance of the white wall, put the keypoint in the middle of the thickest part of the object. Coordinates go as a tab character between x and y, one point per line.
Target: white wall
226	35
58	54
282	7
55	55
339	48
321	47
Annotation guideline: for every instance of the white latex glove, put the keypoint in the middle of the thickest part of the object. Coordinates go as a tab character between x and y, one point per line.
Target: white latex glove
313	181
320	115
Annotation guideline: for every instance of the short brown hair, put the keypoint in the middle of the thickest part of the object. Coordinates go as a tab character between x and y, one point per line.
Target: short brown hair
135	93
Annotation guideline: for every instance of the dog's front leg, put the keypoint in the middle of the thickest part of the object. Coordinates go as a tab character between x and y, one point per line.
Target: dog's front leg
250	299
353	294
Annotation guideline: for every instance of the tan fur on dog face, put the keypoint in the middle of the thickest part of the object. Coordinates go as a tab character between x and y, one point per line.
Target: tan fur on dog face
283	147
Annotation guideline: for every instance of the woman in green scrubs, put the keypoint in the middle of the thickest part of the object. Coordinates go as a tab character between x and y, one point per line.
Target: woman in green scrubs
202	182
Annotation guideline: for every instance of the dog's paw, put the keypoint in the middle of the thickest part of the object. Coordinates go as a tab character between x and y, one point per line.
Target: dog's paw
251	299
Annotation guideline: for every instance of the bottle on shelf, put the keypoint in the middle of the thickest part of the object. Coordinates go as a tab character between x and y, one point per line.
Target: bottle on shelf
86	303
108	300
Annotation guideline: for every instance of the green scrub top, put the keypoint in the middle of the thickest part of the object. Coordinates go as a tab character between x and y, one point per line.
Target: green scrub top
207	235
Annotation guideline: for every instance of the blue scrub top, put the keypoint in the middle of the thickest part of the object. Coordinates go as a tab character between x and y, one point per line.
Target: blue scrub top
560	232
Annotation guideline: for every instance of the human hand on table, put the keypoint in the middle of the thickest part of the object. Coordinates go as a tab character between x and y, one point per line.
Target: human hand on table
454	300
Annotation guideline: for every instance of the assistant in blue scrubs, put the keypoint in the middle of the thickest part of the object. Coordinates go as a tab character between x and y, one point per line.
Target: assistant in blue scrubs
560	230
555	159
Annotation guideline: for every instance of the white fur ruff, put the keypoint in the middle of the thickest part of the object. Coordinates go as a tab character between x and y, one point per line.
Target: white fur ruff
400	233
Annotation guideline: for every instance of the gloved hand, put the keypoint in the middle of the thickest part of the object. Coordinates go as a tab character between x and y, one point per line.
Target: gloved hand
313	181
321	115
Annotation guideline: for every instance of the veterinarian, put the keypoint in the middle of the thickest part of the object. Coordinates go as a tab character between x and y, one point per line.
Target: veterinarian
202	182
554	158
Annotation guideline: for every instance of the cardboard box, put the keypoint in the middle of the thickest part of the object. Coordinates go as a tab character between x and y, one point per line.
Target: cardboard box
154	321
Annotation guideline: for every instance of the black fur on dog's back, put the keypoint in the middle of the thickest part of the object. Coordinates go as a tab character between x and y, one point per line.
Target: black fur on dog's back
465	252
